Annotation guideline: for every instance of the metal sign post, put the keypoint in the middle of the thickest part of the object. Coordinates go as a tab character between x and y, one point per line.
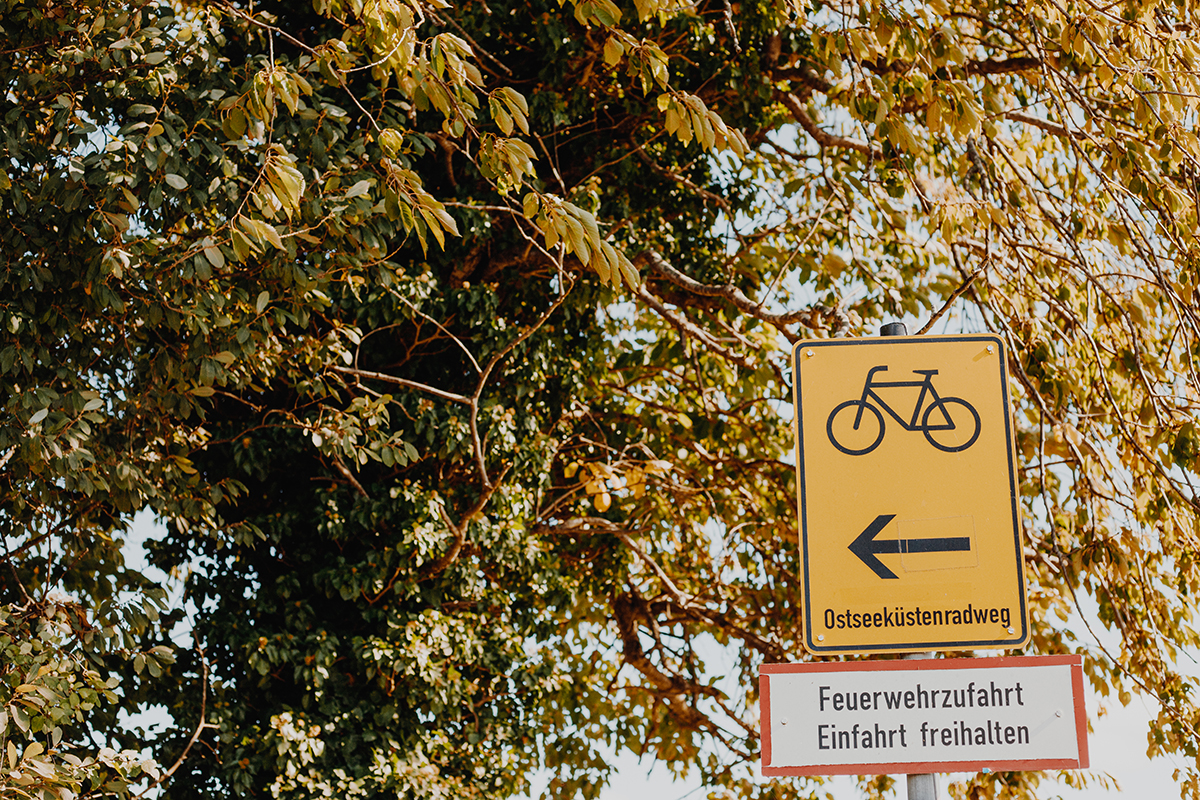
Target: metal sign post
922	785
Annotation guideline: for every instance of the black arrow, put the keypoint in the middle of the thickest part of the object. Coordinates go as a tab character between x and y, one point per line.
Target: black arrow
866	548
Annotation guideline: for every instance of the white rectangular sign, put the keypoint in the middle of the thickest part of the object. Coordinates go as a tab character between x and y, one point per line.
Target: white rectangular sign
937	715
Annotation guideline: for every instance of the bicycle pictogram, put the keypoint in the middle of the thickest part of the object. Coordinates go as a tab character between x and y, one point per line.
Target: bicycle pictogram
944	420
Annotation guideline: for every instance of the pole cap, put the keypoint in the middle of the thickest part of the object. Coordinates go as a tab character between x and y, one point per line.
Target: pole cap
894	329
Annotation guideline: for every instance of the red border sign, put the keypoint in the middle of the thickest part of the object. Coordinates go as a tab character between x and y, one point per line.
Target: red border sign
930	671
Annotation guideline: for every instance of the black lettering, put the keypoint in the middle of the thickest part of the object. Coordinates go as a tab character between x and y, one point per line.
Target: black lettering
892	699
843	741
821	737
902	743
1010	735
821	693
852	701
1020	702
1022	734
945	698
981	615
980	738
878	620
837	701
829	619
994	616
937	618
923	698
997	695
1005	620
946	738
909	699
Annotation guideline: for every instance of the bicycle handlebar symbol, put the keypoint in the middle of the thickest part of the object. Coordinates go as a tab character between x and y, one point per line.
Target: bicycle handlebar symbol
943	431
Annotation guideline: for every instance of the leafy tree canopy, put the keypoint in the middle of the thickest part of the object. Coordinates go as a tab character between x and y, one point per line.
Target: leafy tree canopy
451	342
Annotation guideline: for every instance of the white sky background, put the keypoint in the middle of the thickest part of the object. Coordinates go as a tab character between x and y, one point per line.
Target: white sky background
1117	745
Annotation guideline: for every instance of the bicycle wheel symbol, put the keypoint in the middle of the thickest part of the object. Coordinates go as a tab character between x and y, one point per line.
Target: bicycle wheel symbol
856	427
860	432
954	434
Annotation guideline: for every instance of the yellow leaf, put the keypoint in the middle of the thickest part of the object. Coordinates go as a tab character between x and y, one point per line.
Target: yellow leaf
613	50
834	264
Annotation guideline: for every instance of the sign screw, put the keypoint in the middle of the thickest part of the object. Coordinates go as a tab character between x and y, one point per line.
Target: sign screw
810	353
1010	630
1058	712
783	721
991	348
820	637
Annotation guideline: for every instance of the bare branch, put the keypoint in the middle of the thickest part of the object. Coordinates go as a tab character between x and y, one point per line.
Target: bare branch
195	734
727	291
687	328
1046	125
420	387
823	138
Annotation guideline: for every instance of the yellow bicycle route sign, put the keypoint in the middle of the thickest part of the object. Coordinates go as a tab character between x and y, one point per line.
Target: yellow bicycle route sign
910	530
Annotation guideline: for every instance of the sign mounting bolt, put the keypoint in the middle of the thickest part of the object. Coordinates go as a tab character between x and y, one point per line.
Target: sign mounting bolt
991	348
820	637
783	721
1010	630
810	353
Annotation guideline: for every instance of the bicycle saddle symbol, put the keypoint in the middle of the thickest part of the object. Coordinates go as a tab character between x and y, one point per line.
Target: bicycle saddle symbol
944	420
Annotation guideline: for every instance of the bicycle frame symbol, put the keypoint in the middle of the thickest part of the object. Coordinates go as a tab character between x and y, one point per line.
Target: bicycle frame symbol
952	434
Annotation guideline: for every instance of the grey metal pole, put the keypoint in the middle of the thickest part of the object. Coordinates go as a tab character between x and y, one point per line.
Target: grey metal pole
922	786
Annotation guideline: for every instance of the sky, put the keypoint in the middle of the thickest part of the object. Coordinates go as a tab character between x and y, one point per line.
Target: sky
1117	745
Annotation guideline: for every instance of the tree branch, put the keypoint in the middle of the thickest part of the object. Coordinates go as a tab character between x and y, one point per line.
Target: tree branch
823	138
420	387
727	291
